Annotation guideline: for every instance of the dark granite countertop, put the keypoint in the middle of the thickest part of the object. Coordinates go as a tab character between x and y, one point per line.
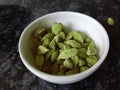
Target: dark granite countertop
15	15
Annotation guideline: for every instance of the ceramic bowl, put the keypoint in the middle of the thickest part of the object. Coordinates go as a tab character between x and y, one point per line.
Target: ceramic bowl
72	21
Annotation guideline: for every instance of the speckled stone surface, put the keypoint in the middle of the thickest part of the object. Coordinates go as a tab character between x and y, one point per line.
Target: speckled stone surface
15	15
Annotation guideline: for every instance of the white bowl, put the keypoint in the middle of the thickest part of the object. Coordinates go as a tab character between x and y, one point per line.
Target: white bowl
72	20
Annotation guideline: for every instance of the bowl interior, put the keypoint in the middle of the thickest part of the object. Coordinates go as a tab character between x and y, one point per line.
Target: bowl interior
71	21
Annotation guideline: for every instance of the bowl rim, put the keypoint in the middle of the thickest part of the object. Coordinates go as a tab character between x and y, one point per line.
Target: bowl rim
41	73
